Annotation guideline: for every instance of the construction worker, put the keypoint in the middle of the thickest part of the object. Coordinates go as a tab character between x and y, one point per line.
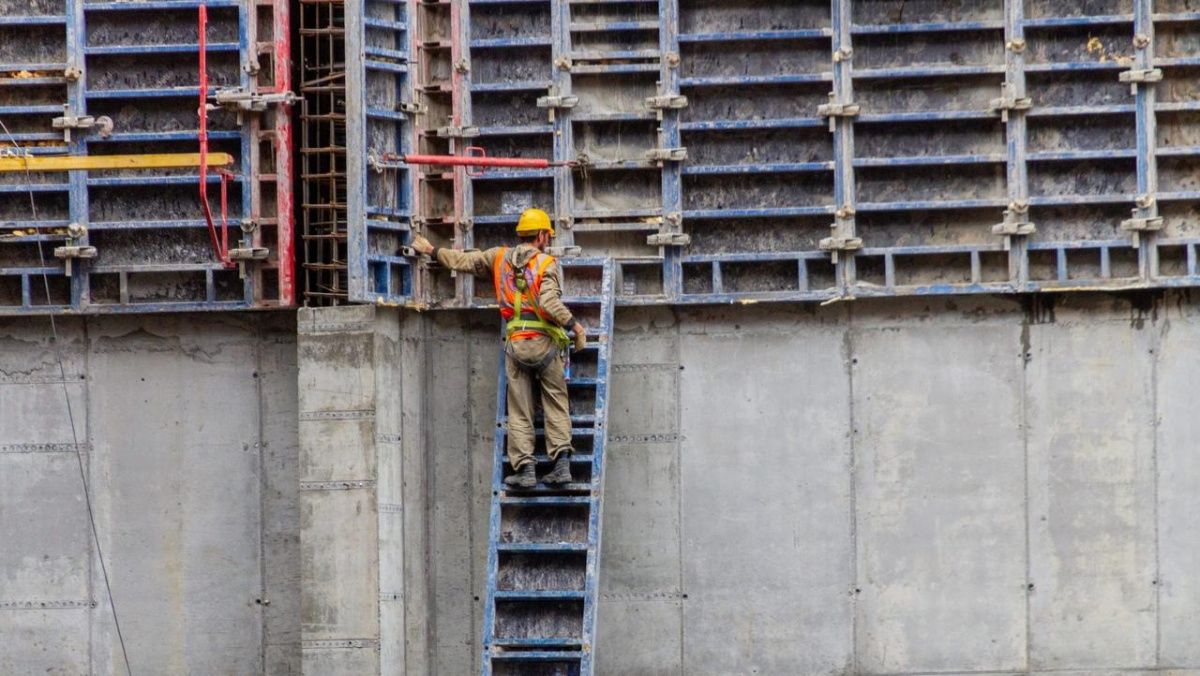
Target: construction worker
528	285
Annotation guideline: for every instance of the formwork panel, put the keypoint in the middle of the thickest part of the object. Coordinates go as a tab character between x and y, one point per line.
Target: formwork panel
129	74
821	148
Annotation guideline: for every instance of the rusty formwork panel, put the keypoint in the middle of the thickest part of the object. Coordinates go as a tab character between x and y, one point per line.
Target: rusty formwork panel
126	75
740	150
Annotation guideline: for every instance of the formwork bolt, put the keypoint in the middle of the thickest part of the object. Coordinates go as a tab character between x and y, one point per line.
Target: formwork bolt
1144	201
843	54
72	73
1018	206
672	59
1141	41
562	63
462	66
1016	46
845	212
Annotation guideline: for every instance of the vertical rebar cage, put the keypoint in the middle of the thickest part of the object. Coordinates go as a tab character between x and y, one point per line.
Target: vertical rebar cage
104	78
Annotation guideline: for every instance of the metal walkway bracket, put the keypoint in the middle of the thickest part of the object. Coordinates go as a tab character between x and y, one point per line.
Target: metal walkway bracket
669	239
71	252
837	246
1016	223
1009	102
1137	76
667	154
457	132
838	109
557	102
252	102
543	563
68	122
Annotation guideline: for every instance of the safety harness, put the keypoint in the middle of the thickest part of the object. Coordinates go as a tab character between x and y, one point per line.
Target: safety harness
511	289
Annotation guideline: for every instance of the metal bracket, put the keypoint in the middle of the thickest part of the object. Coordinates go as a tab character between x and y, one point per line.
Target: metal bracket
457	132
256	253
838	109
70	253
1142	224
563	63
241	100
667	154
1016	224
1009	101
68	122
669	239
564	251
840	245
410	108
1136	76
667	102
557	102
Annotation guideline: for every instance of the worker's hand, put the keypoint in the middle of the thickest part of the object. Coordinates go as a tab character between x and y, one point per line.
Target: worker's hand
422	245
580	336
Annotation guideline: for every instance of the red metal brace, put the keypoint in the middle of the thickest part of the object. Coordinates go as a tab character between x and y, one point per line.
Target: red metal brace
220	243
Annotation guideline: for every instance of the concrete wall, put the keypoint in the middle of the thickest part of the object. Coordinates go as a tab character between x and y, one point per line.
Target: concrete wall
187	430
946	486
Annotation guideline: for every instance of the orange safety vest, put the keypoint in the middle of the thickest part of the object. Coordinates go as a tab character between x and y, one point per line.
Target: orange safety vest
521	308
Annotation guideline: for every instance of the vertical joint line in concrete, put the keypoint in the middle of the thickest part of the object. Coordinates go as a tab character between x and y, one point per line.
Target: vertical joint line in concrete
262	492
1025	348
1155	356
844	190
852	462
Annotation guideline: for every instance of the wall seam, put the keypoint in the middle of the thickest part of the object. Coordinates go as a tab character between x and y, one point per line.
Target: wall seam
1025	355
679	374
1155	356
852	466
85	343
430	525
262	498
476	656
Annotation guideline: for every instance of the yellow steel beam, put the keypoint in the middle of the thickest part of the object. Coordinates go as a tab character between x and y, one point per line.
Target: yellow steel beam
11	163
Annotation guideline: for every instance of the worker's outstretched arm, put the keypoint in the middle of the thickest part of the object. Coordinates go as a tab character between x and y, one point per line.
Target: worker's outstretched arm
478	263
550	300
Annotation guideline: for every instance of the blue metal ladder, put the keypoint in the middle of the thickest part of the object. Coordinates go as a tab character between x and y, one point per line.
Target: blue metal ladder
544	543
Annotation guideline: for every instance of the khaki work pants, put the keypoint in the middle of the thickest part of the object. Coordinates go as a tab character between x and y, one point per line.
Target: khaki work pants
555	406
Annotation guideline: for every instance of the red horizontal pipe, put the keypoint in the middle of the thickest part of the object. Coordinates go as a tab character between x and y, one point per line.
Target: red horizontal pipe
476	161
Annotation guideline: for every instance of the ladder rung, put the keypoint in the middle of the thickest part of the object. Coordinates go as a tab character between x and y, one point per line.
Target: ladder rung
540	595
546	500
542	547
576	458
538	656
536	642
543	488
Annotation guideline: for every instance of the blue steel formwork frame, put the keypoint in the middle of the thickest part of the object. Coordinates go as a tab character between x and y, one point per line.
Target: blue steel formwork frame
1042	122
379	195
150	257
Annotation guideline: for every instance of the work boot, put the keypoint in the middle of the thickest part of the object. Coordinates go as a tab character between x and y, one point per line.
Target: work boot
524	477
561	474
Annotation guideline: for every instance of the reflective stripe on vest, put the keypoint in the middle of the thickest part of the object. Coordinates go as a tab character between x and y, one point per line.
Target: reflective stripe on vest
532	321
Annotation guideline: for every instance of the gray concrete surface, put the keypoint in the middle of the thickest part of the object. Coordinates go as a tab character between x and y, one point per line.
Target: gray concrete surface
187	426
966	486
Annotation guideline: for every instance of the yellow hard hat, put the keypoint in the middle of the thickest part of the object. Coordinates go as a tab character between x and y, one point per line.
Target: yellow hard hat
533	220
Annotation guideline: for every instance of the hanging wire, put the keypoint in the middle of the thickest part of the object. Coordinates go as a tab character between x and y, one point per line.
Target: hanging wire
62	373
